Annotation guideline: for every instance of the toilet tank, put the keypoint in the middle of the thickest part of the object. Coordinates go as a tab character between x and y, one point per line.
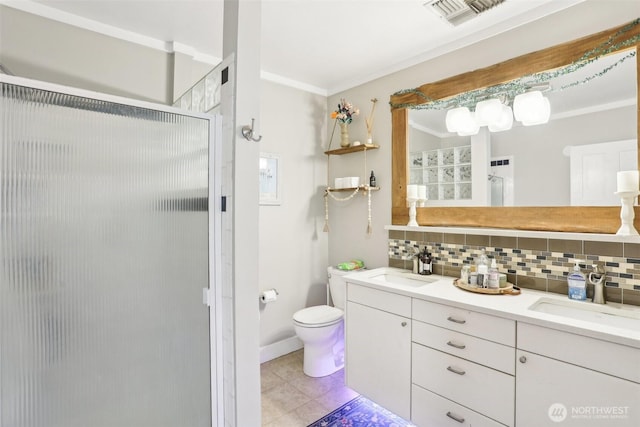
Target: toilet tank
338	286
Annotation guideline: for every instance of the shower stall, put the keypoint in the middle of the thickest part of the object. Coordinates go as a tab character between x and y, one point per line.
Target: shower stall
108	261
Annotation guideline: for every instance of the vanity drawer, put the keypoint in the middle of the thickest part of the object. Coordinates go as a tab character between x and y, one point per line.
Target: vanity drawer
386	301
468	322
477	387
602	356
429	409
488	353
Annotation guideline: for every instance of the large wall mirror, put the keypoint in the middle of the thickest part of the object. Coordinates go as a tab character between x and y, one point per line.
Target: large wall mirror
539	177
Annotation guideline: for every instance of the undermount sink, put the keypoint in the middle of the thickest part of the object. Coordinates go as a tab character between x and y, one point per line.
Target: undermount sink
407	279
627	318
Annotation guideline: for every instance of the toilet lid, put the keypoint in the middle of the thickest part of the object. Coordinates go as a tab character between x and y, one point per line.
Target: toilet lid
317	315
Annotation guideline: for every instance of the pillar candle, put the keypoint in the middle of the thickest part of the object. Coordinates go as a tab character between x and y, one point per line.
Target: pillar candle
422	192
412	191
627	181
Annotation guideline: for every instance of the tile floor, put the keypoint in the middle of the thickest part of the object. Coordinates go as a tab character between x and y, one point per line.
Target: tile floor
292	399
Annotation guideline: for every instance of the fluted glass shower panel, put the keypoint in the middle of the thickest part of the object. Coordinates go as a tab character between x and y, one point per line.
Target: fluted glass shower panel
103	261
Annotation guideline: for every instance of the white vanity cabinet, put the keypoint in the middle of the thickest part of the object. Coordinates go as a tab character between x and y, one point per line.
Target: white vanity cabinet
378	347
462	367
448	359
575	381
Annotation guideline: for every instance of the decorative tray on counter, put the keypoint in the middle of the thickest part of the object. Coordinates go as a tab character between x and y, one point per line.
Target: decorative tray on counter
510	289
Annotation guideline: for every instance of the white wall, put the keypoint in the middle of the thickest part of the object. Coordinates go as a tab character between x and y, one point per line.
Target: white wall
186	73
46	50
293	247
347	238
537	152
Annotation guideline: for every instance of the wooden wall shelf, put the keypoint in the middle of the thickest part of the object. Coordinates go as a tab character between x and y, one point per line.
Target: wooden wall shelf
364	188
352	149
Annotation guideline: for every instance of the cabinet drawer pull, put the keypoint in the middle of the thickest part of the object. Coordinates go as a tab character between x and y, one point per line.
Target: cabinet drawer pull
454	320
523	359
455	371
403	324
455	417
460	346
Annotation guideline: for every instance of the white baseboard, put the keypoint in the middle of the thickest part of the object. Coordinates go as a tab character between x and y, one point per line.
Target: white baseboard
280	348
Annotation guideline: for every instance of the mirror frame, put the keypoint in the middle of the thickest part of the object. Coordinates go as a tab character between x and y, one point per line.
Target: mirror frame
582	219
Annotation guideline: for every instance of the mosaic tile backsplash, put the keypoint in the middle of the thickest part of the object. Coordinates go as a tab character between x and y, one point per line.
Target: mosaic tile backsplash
541	264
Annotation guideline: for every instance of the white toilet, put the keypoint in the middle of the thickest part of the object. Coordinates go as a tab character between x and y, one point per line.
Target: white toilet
321	329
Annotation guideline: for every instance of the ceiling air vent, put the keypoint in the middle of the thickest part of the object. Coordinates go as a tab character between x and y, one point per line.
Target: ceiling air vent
458	11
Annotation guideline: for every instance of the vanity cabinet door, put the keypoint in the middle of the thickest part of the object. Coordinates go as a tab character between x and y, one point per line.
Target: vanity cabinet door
549	391
378	357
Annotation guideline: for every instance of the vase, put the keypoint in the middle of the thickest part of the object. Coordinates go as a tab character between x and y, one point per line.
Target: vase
344	135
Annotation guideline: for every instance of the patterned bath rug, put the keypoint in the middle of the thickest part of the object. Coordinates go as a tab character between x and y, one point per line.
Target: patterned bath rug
361	412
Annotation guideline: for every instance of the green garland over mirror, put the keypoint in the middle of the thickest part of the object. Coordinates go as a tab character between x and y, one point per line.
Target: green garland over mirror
511	89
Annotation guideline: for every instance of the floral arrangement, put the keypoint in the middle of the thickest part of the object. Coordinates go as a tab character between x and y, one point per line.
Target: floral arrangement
345	112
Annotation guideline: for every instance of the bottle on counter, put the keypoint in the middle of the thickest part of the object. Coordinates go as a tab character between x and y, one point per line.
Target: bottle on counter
482	268
494	275
465	271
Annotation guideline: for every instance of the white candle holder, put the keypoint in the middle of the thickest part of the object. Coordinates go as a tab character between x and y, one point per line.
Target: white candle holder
412	212
627	214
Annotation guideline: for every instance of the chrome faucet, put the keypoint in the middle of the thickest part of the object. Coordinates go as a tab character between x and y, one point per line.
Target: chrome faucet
597	278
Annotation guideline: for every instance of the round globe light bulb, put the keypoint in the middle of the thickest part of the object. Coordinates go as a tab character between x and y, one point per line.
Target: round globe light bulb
488	111
470	127
505	122
531	108
456	118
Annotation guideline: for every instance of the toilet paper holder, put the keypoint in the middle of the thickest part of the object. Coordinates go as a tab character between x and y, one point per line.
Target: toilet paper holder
269	295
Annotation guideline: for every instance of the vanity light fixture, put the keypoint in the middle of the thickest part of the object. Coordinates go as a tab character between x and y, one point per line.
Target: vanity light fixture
530	108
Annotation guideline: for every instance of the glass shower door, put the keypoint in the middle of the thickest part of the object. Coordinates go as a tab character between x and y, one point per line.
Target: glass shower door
497	190
103	258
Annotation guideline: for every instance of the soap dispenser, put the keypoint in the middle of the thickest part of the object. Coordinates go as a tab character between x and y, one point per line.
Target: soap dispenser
428	266
577	283
425	262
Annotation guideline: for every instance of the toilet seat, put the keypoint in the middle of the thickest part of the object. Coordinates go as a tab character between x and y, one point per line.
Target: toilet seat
317	316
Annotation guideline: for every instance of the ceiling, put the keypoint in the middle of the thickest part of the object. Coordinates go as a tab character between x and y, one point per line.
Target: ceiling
343	42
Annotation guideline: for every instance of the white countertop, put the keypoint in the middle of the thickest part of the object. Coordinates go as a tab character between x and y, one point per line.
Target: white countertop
519	233
515	307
